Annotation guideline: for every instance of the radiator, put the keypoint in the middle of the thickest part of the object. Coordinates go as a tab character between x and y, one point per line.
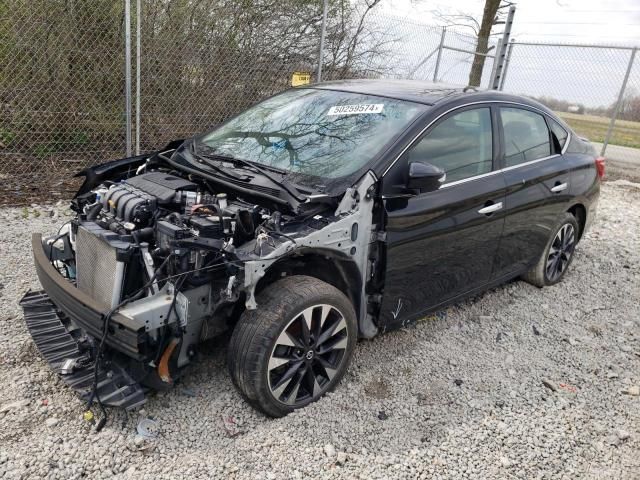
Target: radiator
98	272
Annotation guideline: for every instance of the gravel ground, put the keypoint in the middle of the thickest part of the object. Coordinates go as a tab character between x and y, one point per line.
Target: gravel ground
516	383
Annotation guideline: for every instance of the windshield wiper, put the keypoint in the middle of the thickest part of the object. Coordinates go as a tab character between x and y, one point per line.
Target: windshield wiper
215	167
282	183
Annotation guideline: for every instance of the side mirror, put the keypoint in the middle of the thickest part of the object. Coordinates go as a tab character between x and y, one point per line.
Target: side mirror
425	177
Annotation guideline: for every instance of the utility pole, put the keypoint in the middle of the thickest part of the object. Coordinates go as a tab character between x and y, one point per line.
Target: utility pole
505	68
501	52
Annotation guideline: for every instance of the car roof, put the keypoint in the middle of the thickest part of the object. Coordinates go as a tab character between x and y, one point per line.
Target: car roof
420	91
413	90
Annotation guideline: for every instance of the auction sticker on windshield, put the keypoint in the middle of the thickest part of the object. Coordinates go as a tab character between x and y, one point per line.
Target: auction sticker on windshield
355	109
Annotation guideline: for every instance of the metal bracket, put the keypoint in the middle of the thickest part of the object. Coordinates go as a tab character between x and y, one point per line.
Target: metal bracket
355	207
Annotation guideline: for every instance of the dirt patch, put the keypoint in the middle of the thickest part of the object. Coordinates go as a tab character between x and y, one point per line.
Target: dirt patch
378	388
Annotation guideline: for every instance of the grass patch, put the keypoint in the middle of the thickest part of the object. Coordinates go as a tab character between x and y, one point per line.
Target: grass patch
594	128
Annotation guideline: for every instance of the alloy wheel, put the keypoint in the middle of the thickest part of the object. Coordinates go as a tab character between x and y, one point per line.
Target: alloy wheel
560	252
307	355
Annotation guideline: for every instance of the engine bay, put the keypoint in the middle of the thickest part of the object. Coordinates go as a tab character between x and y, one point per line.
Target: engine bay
166	219
163	259
168	252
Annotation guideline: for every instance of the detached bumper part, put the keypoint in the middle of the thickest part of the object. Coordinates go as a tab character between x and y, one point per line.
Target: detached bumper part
60	342
83	310
64	323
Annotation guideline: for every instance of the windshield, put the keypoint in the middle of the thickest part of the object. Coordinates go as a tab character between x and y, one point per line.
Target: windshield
321	133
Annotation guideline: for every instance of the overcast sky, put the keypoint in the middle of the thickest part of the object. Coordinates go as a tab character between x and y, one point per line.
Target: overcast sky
590	76
566	21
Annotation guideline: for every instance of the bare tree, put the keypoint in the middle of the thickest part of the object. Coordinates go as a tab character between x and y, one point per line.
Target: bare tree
630	105
493	12
488	20
355	43
61	78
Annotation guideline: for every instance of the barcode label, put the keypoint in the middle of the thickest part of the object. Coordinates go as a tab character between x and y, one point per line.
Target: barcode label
355	109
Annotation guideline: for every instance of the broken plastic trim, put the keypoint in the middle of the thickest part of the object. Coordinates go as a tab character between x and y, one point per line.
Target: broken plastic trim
59	342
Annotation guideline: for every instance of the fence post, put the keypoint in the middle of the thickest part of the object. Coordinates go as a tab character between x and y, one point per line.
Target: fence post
323	32
439	57
425	60
505	68
498	62
138	29
616	110
127	73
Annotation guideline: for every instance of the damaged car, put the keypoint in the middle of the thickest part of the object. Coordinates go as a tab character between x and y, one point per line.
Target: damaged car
322	215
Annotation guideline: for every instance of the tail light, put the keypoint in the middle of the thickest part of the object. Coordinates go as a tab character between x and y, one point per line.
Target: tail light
600	167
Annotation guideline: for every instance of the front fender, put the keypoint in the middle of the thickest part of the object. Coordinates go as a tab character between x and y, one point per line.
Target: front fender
348	237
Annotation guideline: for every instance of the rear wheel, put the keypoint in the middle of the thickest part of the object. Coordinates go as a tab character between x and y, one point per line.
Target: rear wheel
557	255
295	347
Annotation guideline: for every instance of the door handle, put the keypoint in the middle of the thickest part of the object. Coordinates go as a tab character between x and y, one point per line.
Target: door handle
559	187
489	209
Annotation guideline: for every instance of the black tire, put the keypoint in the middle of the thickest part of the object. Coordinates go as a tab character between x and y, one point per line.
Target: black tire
261	340
557	255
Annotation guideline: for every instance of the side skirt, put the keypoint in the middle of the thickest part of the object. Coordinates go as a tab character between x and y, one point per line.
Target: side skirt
434	308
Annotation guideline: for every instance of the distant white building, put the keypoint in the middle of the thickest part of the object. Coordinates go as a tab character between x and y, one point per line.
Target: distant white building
575	109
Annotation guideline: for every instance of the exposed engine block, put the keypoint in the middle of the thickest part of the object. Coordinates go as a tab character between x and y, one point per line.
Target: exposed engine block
135	200
158	218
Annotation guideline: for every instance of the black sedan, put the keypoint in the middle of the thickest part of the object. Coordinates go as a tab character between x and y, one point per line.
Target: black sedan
322	215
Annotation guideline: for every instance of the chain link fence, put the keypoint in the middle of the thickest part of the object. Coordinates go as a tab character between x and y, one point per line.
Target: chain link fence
400	48
594	88
203	64
194	78
64	81
61	83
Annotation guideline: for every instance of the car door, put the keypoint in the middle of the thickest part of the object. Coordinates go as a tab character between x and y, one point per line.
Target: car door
441	244
538	186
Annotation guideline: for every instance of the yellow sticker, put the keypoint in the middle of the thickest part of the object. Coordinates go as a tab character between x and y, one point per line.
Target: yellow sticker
300	78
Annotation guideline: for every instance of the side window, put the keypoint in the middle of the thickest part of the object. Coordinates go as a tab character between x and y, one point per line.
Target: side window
526	136
558	132
461	145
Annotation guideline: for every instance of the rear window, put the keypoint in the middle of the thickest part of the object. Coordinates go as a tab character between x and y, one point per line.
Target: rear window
526	136
558	132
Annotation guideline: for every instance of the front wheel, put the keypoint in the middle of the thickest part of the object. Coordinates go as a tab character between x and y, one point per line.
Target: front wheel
557	255
295	347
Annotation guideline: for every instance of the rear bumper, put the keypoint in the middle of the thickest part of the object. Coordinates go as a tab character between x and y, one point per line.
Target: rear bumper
58	340
82	310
